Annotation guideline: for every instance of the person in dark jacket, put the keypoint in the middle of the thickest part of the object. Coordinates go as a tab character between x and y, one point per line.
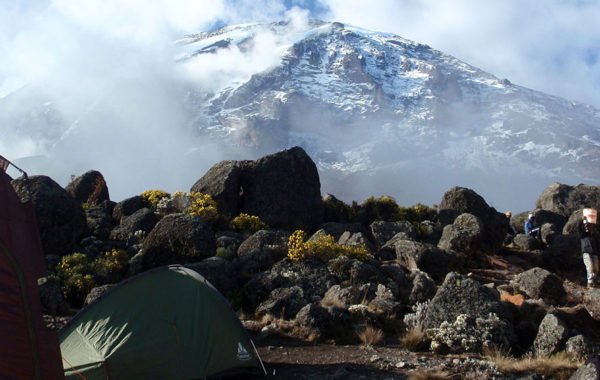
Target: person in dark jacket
589	250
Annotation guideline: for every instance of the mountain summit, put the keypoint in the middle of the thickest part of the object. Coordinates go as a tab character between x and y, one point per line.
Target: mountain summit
379	114
382	114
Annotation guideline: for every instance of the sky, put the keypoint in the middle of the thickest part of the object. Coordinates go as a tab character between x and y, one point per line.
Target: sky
99	55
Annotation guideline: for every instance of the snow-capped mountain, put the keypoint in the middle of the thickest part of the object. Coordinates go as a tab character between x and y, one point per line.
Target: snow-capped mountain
378	113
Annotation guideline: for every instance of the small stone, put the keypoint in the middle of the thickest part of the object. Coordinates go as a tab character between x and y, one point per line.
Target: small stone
374	358
400	365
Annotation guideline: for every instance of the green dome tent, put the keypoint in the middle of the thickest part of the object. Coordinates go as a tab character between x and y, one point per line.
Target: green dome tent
166	323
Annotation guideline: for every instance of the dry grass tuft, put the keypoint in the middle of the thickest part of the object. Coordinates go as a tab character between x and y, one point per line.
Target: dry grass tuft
370	336
558	366
333	303
430	375
414	339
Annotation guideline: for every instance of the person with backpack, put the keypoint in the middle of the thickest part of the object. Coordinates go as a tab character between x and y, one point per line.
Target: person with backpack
589	249
530	228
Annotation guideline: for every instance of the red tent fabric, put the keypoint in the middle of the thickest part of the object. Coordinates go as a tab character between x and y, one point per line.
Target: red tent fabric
28	349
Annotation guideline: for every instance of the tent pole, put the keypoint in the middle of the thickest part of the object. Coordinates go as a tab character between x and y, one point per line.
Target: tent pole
259	359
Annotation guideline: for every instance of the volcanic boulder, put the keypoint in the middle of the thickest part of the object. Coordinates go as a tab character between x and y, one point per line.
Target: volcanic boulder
60	218
283	189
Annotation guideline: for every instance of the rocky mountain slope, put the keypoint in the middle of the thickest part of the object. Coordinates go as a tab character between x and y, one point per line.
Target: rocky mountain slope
379	114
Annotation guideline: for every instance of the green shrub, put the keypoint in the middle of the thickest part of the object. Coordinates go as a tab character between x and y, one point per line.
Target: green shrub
111	267
338	211
417	213
248	224
383	208
225	254
324	248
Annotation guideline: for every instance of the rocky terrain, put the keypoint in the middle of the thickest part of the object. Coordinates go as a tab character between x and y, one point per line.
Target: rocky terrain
373	290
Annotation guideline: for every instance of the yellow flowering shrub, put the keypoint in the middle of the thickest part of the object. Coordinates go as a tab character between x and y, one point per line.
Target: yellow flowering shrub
204	206
112	265
248	223
324	248
152	197
76	279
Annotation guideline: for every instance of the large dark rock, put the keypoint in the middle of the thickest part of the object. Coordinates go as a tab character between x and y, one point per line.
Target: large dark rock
565	199
564	255
89	188
465	235
141	220
178	239
127	207
551	337
460	200
462	295
99	222
546	216
60	218
51	296
224	184
283	189
219	272
427	258
579	347
539	283
315	318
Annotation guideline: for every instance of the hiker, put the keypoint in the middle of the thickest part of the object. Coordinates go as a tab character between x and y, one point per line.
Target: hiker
530	228
589	249
512	230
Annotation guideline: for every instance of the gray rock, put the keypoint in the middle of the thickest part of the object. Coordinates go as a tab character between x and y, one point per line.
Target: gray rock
526	242
275	240
315	318
60	218
89	188
341	297
464	235
178	239
127	207
539	283
589	371
337	229
382	231
355	239
462	295
460	200
141	220
551	337
579	347
591	302
283	302
427	258
99	222
423	287
564	199
96	293
219	272
548	231
223	182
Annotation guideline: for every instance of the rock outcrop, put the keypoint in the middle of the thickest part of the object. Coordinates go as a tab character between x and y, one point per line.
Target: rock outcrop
60	218
283	189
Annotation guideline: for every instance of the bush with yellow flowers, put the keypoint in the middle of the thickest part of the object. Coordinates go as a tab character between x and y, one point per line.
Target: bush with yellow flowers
248	224
204	206
74	272
152	197
323	247
111	266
